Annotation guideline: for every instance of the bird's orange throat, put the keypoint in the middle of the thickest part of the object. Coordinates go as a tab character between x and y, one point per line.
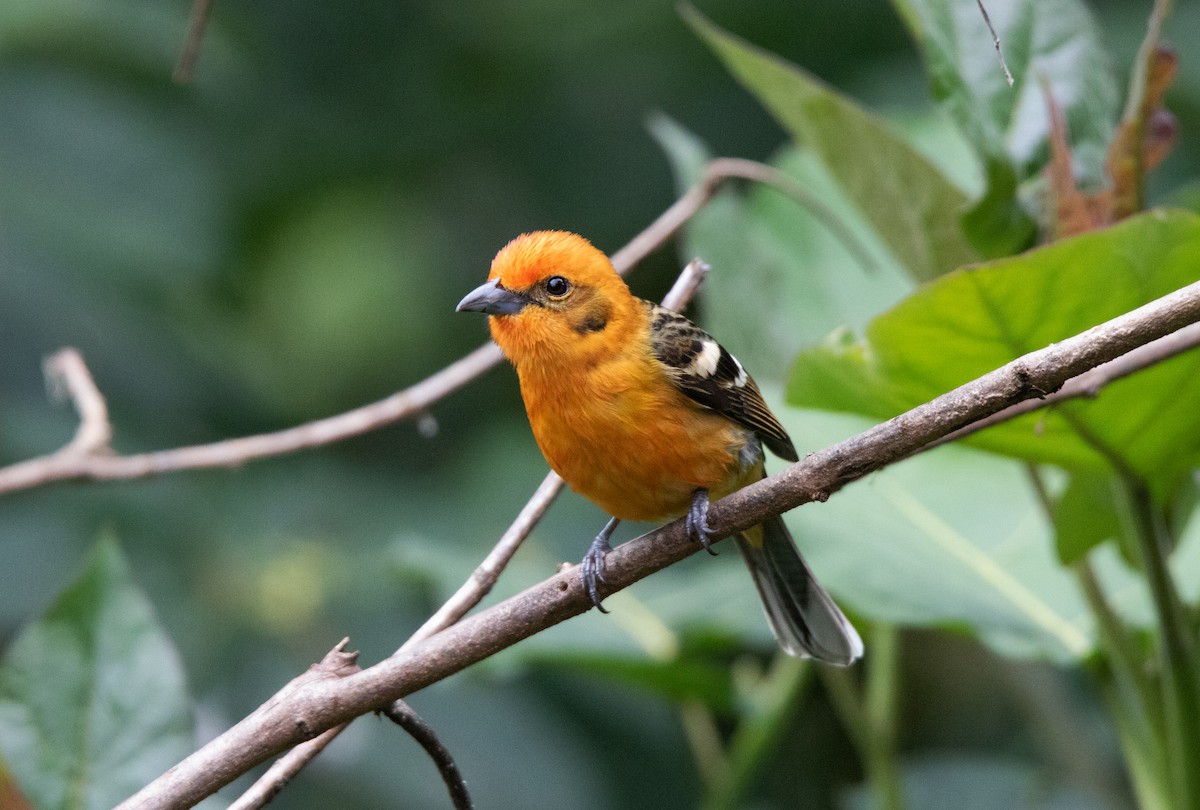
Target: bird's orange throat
566	342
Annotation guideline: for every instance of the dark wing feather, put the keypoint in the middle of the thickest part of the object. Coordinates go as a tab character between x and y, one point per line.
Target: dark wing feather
702	369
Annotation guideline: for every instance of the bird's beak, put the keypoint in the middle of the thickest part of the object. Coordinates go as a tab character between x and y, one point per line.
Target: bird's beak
492	299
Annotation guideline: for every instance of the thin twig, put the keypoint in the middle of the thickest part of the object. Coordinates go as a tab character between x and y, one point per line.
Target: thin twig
236	452
402	715
336	663
414	401
185	68
325	704
265	789
485	576
68	377
995	41
482	579
774	178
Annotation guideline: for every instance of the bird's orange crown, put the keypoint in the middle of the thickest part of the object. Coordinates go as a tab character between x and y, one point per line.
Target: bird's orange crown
531	257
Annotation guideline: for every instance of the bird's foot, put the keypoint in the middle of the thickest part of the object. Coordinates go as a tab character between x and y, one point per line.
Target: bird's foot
591	569
697	520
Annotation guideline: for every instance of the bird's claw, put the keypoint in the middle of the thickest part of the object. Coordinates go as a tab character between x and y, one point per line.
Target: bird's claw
591	569
697	520
592	573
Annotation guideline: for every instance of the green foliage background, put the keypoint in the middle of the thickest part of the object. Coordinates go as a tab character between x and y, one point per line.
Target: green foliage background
287	237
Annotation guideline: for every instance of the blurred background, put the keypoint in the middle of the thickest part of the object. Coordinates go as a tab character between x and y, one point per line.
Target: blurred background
286	237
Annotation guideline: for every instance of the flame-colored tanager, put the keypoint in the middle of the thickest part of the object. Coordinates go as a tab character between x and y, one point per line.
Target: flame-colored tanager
646	415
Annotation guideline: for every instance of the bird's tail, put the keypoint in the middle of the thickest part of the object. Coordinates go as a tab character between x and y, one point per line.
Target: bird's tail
802	615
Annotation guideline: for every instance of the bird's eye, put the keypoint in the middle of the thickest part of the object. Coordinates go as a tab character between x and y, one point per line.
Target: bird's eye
557	286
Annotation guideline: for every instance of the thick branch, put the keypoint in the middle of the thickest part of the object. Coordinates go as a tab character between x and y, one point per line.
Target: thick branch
318	706
1090	383
471	593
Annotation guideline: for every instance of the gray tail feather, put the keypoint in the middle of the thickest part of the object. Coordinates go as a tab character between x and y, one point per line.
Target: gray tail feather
802	615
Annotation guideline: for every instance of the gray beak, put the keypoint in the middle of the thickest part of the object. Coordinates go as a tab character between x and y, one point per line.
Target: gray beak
492	299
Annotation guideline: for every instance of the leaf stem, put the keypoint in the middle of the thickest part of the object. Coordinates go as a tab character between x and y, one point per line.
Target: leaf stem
1180	670
1119	648
869	716
755	739
704	738
1133	697
883	682
1122	658
1151	784
1177	653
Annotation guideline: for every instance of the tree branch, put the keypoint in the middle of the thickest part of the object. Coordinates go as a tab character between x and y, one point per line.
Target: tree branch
472	592
995	42
186	66
68	377
268	786
402	715
485	576
99	463
314	707
1090	383
337	663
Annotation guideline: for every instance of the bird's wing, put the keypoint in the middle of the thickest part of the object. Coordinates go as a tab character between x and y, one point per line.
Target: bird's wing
702	369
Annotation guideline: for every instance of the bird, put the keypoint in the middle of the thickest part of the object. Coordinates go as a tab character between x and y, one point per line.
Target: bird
649	417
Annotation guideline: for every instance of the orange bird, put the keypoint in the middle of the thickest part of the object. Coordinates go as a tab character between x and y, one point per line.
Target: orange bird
646	415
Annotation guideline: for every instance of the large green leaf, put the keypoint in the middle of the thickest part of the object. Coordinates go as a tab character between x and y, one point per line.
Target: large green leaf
1087	514
1051	41
782	276
92	697
913	207
679	680
1185	560
975	320
1055	41
955	539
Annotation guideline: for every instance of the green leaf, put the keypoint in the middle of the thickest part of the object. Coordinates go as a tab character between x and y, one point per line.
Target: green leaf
1185	560
978	782
780	277
677	680
1056	41
975	320
997	225
92	698
915	210
955	539
1086	515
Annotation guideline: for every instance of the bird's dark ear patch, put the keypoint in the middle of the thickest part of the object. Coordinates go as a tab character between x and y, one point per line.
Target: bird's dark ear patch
591	315
593	323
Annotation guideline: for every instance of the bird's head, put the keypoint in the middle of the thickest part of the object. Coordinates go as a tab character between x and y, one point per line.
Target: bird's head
549	290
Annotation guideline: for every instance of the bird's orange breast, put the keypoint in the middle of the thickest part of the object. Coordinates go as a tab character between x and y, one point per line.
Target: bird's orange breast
621	435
